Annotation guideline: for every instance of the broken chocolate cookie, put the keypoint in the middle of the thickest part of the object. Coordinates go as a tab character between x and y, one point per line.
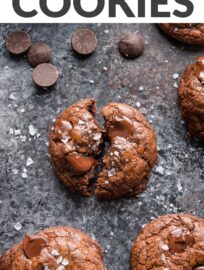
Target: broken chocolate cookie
54	248
191	95
191	33
132	153
76	142
174	242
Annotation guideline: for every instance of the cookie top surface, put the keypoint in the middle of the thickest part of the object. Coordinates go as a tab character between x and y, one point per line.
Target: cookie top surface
191	33
132	152
75	141
191	95
174	242
59	248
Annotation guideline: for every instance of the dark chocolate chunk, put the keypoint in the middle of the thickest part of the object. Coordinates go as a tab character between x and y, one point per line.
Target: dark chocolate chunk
39	53
18	42
131	45
84	42
45	75
33	245
79	164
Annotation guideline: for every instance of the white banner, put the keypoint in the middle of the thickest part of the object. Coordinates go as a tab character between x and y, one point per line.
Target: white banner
101	11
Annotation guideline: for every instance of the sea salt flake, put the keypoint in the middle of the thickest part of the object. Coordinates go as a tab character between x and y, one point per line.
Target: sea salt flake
175	85
106	31
106	182
32	130
81	122
160	170
55	253
138	104
12	96
91	81
111	172
11	131
65	262
165	247
175	76
17	132
15	171
18	226
97	136
64	140
105	68
141	88
24	175
59	260
22	110
29	162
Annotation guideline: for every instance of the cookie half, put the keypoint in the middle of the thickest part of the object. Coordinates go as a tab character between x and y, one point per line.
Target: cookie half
191	33
75	141
174	242
60	248
132	153
191	96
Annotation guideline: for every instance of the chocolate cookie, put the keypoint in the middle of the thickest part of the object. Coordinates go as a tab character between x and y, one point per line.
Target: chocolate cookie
191	33
132	153
173	242
59	248
191	95
75	142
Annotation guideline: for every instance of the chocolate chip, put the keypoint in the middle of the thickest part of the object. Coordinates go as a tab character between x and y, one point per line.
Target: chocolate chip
131	45
33	246
45	75
199	268
18	42
39	53
84	42
121	127
79	164
179	240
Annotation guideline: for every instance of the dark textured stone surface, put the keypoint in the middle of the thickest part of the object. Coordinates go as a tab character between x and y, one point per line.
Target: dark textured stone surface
39	201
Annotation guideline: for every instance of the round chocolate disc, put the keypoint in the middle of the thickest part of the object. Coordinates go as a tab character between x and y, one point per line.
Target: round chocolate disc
131	45
39	53
18	42
45	75
84	41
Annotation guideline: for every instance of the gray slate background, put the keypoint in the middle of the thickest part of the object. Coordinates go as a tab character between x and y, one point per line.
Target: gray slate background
32	196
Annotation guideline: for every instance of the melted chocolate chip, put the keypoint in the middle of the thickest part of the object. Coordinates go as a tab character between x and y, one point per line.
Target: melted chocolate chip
199	69
18	42
121	127
39	53
199	268
33	246
79	164
131	45
45	75
179	240
84	42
